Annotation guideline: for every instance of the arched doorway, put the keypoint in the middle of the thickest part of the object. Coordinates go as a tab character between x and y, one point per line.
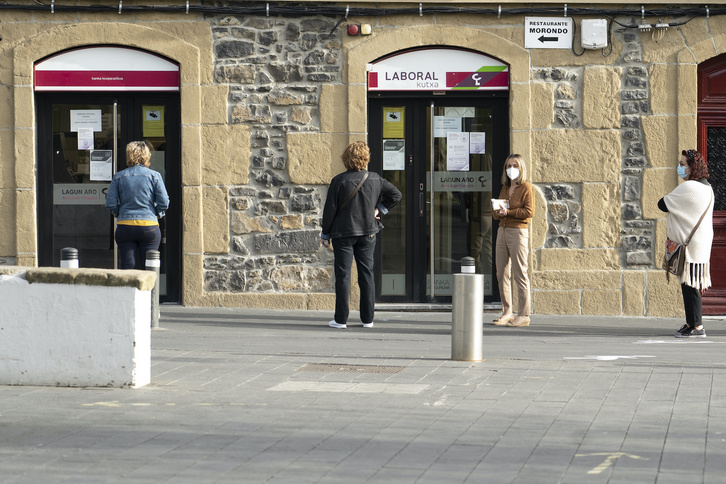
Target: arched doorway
437	118
90	102
712	143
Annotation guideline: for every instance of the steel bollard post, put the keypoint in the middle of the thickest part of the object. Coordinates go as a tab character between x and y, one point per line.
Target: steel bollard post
69	258
467	307
153	263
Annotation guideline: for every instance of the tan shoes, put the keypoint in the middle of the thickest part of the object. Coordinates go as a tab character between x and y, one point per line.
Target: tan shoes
504	320
519	321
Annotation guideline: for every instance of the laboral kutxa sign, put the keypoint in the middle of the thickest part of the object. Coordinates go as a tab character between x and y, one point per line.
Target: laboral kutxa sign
438	69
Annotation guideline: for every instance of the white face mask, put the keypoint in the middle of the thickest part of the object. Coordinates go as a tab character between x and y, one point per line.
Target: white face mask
513	173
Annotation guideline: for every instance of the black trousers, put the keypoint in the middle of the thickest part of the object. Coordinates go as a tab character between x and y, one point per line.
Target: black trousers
345	250
692	303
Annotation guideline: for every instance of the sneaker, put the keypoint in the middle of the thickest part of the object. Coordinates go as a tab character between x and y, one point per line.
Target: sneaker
368	325
683	329
692	333
333	324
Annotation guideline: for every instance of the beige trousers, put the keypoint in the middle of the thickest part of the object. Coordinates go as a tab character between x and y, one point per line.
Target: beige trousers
512	254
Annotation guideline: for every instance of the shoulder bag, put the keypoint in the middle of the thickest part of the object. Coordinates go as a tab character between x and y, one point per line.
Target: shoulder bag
674	259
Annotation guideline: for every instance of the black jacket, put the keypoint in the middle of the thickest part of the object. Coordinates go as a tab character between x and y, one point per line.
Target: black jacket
358	217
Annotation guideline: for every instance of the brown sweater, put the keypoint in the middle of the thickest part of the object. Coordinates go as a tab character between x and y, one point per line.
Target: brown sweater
521	206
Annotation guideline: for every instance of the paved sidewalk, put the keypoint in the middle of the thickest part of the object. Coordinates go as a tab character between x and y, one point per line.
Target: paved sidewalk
264	396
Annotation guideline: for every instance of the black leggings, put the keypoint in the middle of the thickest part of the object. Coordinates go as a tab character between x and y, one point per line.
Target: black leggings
692	304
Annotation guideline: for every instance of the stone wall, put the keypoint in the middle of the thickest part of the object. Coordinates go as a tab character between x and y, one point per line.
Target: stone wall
275	69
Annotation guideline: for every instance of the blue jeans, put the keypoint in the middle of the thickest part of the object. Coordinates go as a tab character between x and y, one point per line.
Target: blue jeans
133	242
344	250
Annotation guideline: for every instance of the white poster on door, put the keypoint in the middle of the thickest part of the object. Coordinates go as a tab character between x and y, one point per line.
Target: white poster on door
86	118
85	139
477	143
446	124
394	154
101	165
457	151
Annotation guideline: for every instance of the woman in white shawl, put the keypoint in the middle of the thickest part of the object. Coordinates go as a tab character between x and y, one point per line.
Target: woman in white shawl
685	205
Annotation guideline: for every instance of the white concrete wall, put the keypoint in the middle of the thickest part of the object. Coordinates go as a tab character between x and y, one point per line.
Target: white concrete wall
73	334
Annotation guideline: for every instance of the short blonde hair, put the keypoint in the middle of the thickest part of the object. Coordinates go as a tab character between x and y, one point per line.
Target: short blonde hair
522	170
356	156
137	153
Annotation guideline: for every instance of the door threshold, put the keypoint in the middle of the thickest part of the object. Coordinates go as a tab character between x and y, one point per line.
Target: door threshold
428	307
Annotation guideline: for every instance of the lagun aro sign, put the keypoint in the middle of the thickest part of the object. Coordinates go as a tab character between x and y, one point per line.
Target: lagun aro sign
438	69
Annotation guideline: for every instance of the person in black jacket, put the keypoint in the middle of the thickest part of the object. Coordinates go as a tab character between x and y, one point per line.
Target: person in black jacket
351	220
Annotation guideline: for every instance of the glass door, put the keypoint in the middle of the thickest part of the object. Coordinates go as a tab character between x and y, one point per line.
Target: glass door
442	154
81	144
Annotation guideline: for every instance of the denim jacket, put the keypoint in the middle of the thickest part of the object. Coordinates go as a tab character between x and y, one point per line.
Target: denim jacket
137	193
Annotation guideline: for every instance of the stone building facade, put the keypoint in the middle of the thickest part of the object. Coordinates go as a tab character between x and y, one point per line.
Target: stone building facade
268	103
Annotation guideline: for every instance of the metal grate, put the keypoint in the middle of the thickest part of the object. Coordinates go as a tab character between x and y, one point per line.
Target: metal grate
334	368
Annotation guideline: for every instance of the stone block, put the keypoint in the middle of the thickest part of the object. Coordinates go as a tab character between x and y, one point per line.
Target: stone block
288	222
634	293
264	300
575	280
561	156
664	299
663	92
24	149
7	213
226	151
215	220
321	301
301	278
241	224
556	302
579	259
191	148
601	208
602	302
357	112
192	223
657	182
521	109
542	110
214	100
661	140
601	97
6	107
313	158
25	222
288	242
7	158
538	226
333	115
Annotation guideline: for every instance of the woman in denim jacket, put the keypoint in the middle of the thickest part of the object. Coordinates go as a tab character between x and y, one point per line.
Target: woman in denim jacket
138	199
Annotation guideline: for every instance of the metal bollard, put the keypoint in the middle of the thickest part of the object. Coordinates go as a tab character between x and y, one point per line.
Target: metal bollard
69	258
467	307
153	263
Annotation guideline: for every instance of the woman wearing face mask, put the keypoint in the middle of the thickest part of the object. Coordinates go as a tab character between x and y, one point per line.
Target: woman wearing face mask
685	206
513	241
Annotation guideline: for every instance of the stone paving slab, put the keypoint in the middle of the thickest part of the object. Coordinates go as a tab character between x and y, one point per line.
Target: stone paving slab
277	396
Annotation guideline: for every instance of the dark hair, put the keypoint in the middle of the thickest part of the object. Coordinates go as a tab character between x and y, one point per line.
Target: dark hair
696	163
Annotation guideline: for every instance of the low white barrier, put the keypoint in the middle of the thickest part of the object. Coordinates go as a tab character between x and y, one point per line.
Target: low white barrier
75	327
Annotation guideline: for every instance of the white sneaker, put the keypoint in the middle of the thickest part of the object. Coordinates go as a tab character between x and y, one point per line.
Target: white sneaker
333	324
368	325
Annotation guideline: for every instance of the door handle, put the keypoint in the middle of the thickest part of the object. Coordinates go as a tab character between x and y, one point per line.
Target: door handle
421	204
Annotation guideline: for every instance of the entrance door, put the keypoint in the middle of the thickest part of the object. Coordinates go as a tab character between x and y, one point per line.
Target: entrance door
445	155
81	143
712	143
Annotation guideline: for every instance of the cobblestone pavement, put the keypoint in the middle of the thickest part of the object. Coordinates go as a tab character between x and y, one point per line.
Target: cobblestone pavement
264	396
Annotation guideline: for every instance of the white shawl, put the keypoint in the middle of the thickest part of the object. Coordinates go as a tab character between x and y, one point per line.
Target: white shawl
685	206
